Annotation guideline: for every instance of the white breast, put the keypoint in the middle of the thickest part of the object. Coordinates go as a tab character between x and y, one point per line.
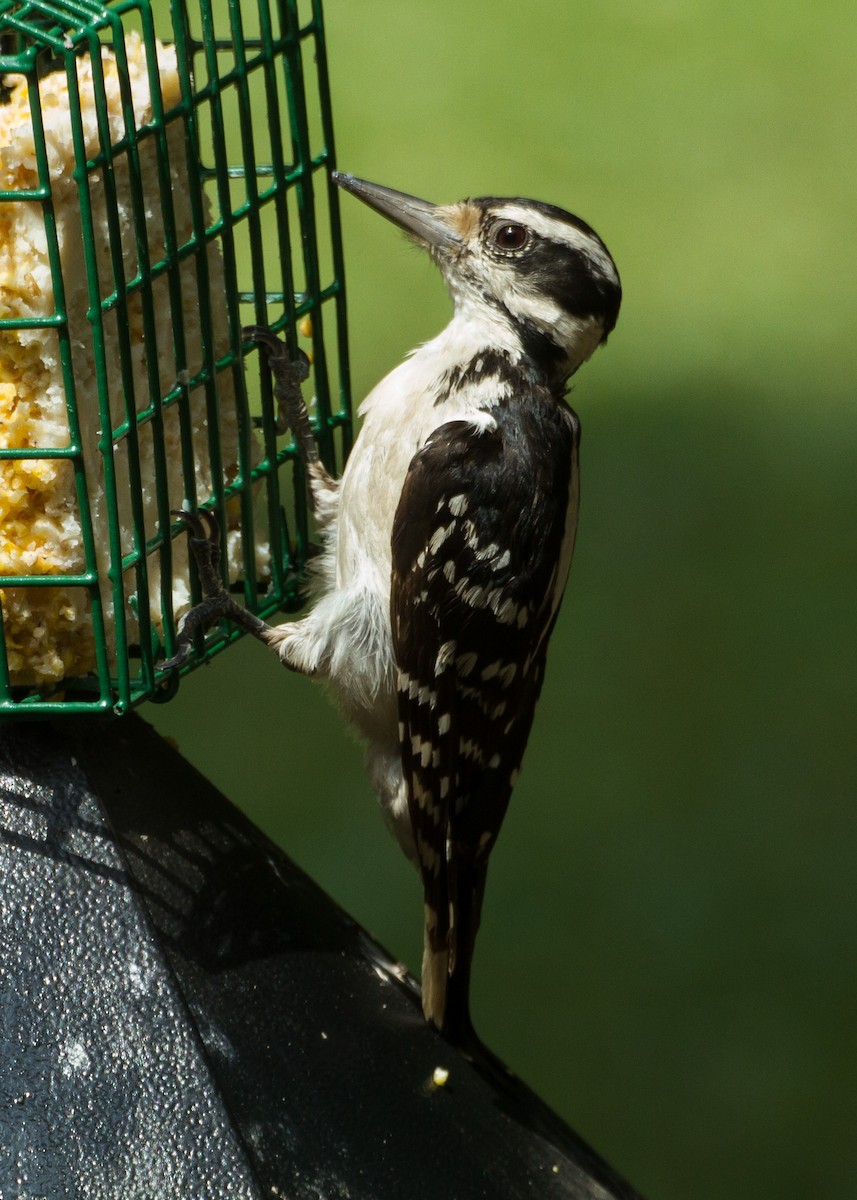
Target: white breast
399	415
349	627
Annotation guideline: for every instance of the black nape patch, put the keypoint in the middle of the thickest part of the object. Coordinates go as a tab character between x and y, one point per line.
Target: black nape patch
487	363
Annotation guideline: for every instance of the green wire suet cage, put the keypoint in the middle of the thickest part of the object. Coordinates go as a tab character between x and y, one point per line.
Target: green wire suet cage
164	182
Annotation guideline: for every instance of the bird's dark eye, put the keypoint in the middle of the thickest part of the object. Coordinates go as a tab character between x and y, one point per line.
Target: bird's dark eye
508	236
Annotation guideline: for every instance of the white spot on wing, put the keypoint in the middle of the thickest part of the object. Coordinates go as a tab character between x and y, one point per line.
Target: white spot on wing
472	596
465	663
445	656
507	612
509	672
467	748
439	537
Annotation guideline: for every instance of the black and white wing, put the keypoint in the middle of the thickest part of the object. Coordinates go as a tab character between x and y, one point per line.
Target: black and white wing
481	545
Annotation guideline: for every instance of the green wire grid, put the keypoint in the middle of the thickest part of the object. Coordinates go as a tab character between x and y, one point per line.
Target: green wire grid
252	158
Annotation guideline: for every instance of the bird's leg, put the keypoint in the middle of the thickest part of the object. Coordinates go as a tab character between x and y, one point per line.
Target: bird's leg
204	532
204	540
288	374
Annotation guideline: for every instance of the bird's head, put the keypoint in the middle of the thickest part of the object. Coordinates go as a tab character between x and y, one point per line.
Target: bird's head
531	268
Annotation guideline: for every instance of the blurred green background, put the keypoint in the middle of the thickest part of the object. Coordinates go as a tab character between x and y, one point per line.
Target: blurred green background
669	950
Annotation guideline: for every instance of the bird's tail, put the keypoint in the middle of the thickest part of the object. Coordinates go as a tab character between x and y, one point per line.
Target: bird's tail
435	970
450	937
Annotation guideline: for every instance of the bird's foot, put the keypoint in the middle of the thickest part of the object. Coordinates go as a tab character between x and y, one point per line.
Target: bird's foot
288	375
204	539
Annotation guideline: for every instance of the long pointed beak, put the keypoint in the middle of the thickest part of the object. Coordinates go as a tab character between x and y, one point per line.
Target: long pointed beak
418	217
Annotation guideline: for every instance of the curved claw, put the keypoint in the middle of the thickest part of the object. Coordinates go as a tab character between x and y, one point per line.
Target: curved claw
279	355
180	656
265	336
201	525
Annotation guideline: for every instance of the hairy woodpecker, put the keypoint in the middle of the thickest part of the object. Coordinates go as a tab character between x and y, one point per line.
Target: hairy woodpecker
447	543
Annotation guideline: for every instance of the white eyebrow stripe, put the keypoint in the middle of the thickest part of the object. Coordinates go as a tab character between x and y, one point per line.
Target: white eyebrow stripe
560	231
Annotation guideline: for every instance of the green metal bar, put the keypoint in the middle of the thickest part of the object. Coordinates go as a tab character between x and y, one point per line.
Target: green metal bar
105	442
257	258
90	577
185	49
119	301
151	414
342	418
282	563
5	685
293	67
169	269
72	451
229	270
80	579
